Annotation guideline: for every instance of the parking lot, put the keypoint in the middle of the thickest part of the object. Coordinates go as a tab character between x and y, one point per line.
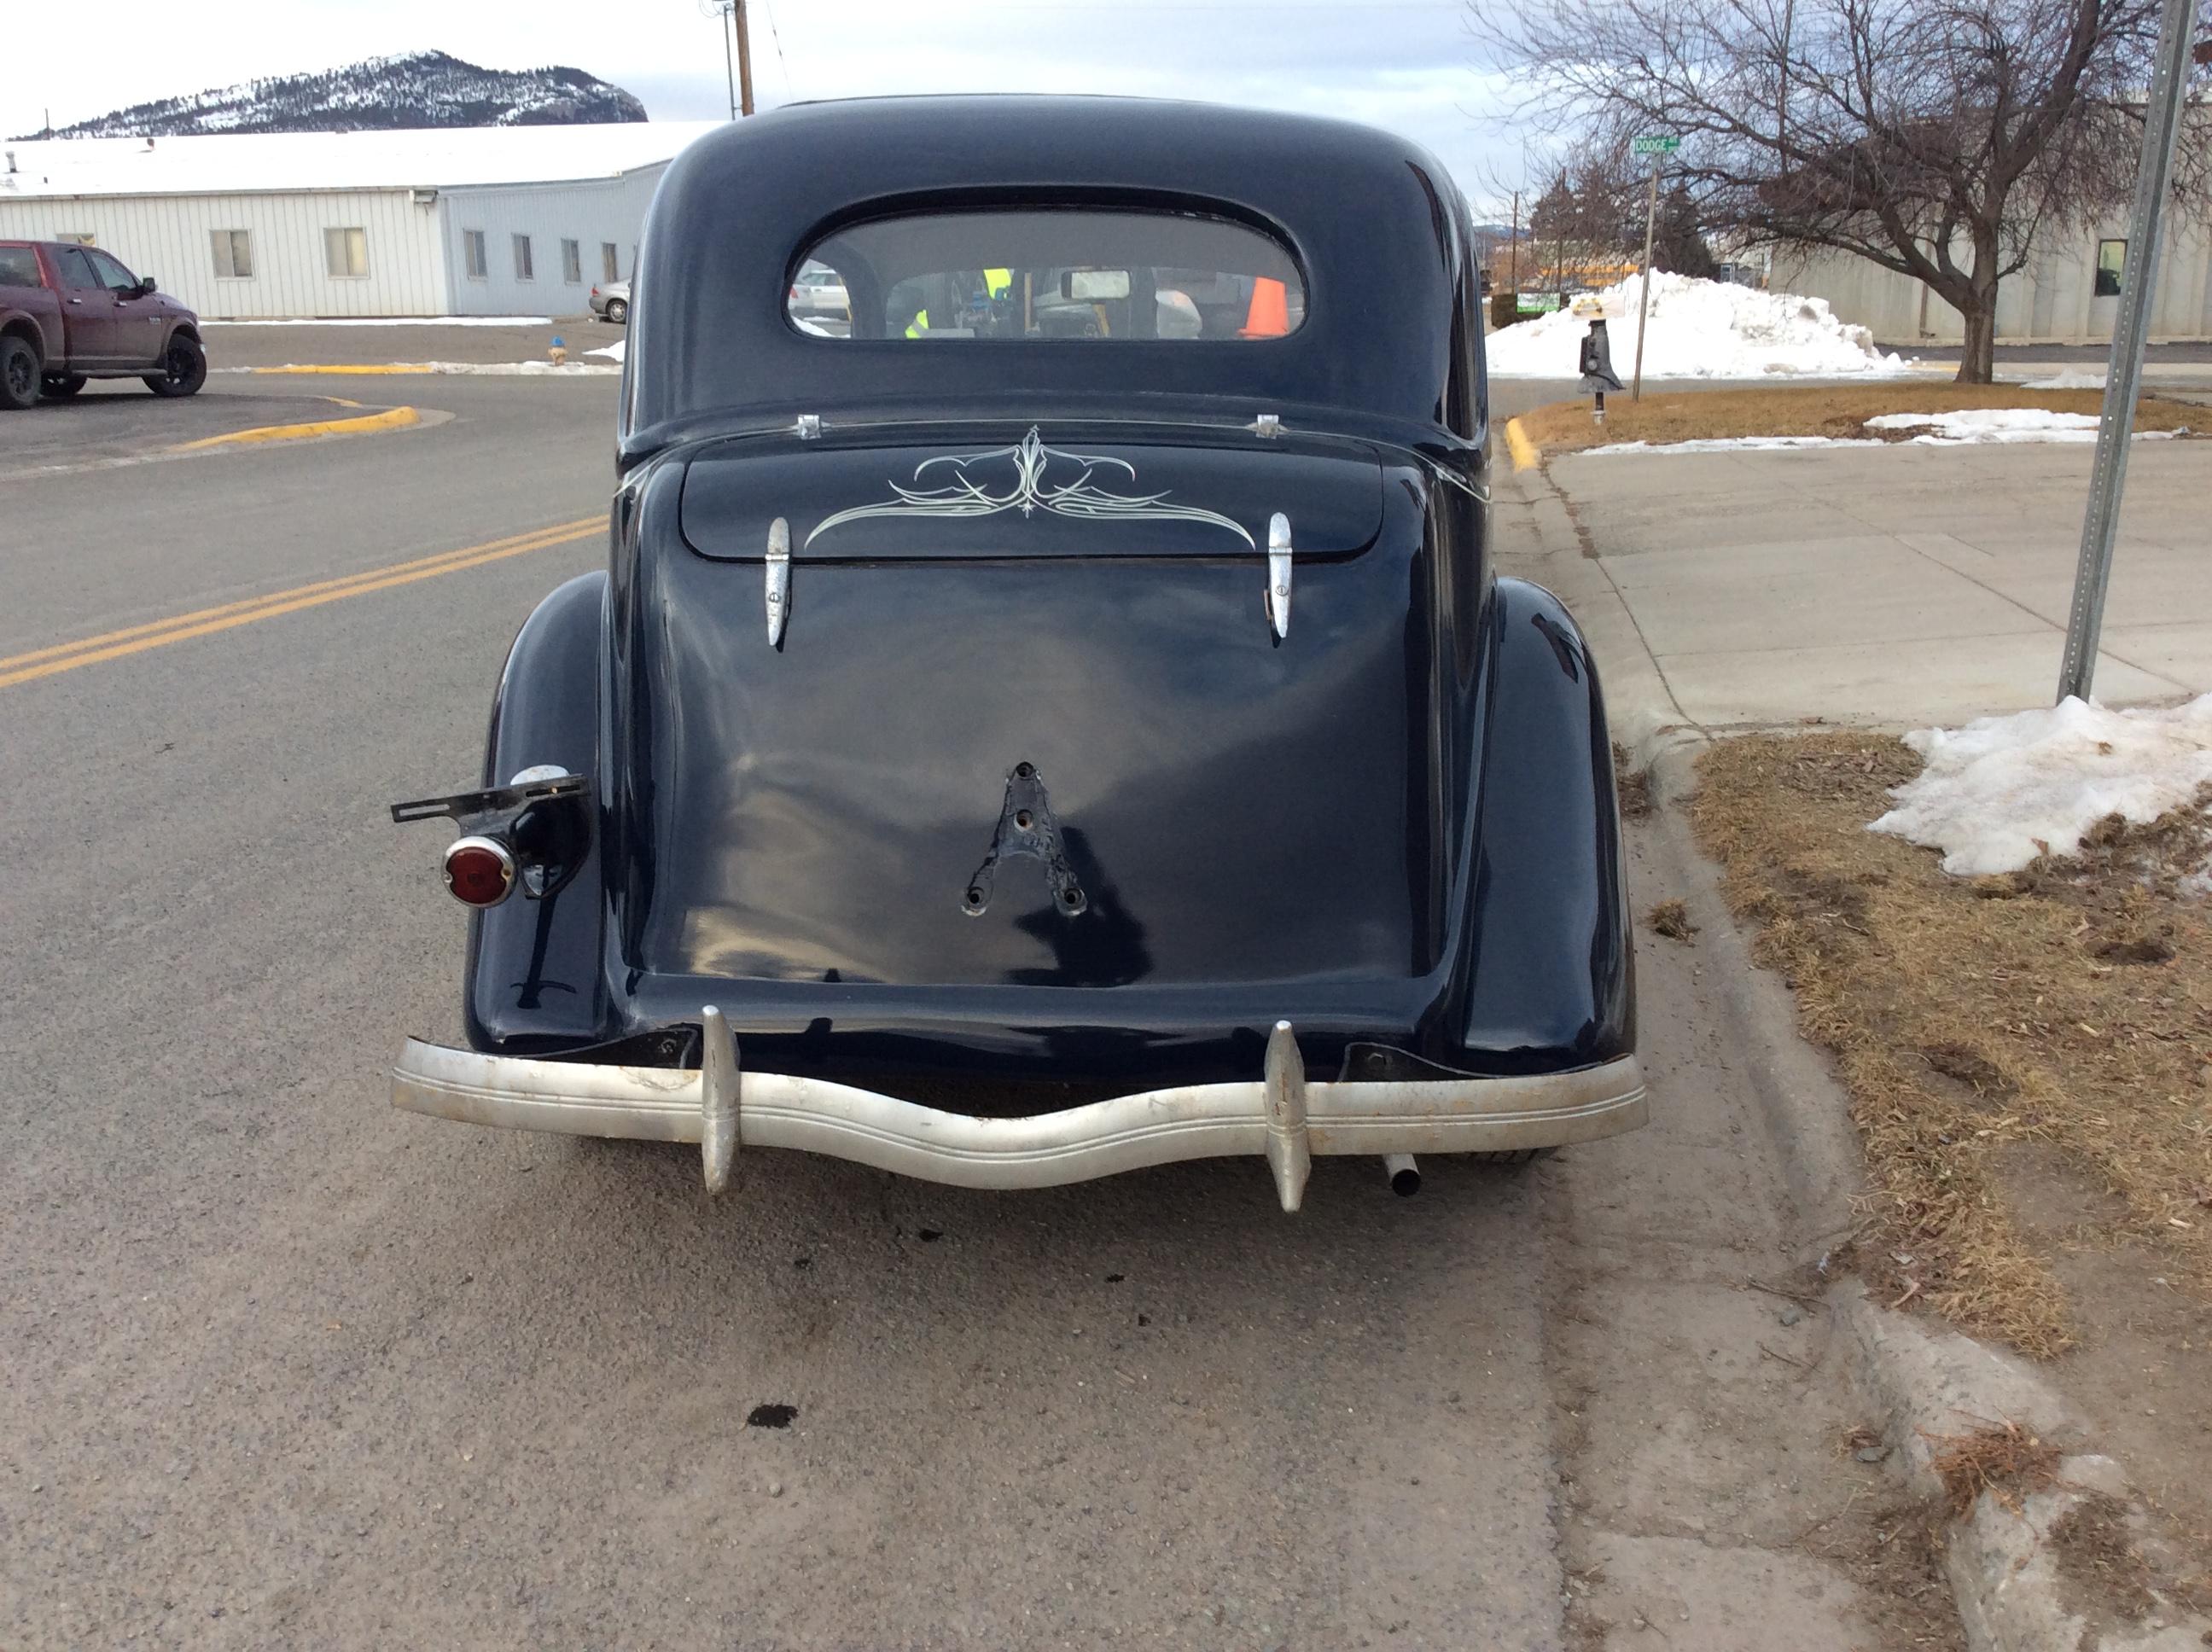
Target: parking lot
287	1367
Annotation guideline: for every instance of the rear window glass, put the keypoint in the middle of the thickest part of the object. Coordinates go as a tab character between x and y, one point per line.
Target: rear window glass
19	267
1048	273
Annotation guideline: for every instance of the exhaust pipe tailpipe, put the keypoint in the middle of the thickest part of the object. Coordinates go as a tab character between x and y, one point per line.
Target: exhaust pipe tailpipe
1405	1174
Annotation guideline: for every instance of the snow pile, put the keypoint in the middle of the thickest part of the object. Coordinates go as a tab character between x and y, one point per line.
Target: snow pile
394	321
1730	445
2003	790
2069	379
613	352
1697	330
1984	424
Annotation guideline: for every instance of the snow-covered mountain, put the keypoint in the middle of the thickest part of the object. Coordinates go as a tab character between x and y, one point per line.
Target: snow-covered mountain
424	88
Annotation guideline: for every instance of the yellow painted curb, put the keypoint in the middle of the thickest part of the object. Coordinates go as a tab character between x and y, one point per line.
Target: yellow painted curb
355	367
392	418
1525	452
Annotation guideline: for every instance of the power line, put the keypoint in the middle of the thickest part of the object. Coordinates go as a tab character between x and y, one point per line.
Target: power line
782	62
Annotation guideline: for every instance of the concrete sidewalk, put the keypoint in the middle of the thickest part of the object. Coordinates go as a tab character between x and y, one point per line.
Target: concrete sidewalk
1892	586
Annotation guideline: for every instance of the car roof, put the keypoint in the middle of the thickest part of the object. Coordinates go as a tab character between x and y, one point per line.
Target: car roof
1376	224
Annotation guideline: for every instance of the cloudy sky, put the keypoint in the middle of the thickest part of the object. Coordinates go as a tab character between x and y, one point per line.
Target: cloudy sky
1408	65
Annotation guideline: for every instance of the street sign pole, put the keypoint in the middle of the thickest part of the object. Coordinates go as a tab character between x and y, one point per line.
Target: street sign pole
1643	296
2139	277
1658	149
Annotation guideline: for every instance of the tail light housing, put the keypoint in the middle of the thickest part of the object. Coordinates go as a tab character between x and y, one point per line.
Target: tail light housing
479	871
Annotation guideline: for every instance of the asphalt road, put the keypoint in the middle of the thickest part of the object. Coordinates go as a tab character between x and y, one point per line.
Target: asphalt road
284	1367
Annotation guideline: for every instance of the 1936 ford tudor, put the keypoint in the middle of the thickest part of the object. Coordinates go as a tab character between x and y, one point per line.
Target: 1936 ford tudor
1051	712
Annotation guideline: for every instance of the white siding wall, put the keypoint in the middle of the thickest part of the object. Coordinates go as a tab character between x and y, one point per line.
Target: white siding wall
169	237
2052	300
589	212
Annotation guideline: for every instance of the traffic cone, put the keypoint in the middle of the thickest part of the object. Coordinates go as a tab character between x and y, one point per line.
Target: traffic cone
1269	316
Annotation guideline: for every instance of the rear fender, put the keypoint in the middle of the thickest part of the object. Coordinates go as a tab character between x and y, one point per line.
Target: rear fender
1551	981
534	979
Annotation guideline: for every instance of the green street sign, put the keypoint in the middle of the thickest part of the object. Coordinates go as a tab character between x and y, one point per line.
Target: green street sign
1666	145
1538	303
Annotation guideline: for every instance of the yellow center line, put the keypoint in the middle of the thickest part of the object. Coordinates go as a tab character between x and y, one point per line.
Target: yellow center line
156	634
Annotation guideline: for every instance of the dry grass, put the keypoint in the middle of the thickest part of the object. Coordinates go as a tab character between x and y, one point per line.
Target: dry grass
2002	1459
2068	1007
1632	784
1672	920
1839	411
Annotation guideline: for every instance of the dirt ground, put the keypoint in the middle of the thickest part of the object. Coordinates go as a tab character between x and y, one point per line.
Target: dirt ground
1835	410
2030	1063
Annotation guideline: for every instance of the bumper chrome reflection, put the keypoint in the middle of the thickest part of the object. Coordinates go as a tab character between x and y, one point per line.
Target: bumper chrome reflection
1281	1117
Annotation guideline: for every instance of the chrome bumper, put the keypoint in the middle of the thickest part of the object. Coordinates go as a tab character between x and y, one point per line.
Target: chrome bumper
1280	1117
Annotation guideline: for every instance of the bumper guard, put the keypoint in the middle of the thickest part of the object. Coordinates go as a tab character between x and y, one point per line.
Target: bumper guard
1281	1117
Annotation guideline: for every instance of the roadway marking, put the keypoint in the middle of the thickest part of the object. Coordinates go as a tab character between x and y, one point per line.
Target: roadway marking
393	418
1525	452
205	622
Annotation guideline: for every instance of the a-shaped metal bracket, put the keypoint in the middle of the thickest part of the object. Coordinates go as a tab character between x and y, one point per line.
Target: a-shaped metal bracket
1278	573
546	823
1026	830
778	571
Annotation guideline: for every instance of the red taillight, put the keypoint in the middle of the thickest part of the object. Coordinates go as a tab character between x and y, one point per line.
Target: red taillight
479	871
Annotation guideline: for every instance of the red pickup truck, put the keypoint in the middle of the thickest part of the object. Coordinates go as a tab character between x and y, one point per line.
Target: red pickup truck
69	313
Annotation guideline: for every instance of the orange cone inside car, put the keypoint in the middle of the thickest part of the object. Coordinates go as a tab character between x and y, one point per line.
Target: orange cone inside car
1269	316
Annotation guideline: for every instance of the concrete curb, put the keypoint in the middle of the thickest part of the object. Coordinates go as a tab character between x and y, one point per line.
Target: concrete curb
2003	1568
393	418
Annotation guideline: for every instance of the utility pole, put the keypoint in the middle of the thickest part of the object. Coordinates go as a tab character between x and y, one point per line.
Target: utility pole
744	56
729	72
2108	476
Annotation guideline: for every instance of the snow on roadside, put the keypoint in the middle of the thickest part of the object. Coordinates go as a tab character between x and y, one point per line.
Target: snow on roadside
1985	424
1698	330
613	352
1729	444
2003	790
2070	379
485	369
397	321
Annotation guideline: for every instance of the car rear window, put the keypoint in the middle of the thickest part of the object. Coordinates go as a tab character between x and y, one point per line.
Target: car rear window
19	267
1048	273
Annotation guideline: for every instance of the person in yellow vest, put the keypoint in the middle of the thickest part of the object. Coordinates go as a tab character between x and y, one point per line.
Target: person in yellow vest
999	284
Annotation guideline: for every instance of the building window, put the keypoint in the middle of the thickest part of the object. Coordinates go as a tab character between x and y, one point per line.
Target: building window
472	254
610	262
345	253
77	237
572	263
233	254
2111	264
522	267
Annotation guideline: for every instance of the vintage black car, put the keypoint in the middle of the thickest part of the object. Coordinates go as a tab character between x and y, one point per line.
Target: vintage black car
1007	752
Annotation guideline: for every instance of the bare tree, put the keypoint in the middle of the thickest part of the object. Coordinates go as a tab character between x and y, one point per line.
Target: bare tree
1933	137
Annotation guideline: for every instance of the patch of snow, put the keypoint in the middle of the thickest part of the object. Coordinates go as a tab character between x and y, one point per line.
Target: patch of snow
395	321
1729	444
613	352
451	157
1987	424
1698	330
2003	790
2069	379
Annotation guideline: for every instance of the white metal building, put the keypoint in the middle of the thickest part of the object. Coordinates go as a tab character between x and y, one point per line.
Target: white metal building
2069	293
479	220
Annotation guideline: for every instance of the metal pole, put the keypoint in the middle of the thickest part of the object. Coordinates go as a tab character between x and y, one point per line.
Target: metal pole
1644	299
2139	278
1513	256
744	58
729	72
